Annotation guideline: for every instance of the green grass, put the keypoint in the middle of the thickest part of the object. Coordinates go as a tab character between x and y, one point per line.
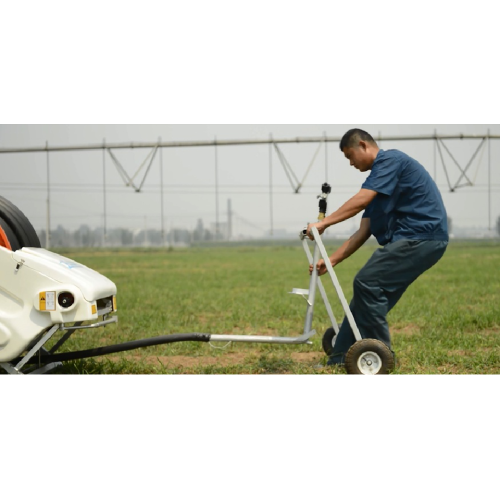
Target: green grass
447	322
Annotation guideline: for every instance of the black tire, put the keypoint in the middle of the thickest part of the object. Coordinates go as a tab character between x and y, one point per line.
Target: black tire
8	235
19	225
327	342
369	357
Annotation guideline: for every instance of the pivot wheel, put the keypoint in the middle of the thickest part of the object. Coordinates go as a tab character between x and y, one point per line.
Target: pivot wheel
328	341
369	357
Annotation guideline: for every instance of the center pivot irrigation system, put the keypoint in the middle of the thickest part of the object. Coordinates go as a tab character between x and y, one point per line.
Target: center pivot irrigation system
466	176
43	294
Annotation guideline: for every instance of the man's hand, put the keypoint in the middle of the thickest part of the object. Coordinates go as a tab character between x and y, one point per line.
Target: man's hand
319	226
321	267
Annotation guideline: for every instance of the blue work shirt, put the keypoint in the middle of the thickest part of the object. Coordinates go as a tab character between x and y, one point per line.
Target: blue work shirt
408	204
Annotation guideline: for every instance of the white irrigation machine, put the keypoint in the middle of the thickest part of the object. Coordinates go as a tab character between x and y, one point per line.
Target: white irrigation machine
46	297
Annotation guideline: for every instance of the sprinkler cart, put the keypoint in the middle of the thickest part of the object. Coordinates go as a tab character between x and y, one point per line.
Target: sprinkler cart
45	295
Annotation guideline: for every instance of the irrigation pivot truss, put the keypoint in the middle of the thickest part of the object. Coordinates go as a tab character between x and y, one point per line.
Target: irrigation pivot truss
136	182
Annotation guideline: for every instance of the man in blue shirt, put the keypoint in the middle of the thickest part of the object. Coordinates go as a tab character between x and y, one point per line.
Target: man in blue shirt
404	210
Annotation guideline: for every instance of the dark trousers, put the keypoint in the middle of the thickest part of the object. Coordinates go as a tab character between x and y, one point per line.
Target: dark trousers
380	284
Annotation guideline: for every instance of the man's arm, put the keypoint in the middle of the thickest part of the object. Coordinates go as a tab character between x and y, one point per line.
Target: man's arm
356	241
349	209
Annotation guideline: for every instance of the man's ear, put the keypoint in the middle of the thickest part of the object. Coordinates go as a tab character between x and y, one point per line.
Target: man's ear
362	145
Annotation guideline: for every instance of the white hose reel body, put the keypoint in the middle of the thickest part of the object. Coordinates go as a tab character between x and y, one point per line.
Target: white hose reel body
40	289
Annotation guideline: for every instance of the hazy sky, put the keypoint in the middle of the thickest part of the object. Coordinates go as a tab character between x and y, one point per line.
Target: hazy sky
243	173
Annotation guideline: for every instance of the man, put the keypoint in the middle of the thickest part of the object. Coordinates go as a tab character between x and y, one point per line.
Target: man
405	212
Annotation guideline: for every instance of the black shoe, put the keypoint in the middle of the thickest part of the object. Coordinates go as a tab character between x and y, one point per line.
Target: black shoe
334	362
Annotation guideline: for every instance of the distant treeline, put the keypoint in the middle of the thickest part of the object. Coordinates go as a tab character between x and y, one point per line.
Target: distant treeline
85	236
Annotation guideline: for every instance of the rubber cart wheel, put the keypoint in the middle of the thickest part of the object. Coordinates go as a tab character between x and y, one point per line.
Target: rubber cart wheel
327	341
14	222
369	357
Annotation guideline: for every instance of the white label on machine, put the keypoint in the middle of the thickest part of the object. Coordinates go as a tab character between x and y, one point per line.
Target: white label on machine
50	301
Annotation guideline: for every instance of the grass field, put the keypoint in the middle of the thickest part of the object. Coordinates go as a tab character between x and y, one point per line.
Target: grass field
448	322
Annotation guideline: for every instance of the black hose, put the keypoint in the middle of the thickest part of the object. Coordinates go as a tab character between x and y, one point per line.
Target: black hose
126	346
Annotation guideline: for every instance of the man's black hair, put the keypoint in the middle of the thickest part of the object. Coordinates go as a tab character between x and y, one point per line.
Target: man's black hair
352	138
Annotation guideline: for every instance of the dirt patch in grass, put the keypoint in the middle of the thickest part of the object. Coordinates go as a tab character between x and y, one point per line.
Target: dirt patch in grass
410	329
228	359
490	331
306	357
471	353
459	352
449	369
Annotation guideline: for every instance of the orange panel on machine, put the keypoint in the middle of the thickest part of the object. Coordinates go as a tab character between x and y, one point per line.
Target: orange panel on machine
4	240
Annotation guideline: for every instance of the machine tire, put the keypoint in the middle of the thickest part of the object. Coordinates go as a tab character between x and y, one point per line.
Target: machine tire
369	357
327	342
19	225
